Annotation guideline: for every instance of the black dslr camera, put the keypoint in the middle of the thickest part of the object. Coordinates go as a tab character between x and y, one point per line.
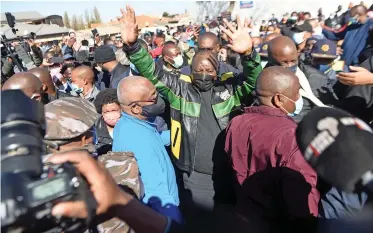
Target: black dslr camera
30	189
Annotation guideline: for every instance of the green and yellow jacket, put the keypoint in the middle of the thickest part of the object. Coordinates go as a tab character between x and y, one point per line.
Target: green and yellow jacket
229	95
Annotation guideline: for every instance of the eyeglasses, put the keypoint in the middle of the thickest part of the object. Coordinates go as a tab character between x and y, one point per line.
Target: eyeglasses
205	49
146	101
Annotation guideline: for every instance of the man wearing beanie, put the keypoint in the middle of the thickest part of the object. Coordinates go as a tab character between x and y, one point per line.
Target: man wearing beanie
106	60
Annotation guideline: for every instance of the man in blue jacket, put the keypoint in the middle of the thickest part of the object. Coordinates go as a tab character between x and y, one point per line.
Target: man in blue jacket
355	36
136	132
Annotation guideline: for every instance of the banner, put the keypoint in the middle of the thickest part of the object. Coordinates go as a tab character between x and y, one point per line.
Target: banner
246	4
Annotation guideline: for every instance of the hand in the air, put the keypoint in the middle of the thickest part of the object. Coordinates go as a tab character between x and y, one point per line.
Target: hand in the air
357	76
129	28
239	39
102	185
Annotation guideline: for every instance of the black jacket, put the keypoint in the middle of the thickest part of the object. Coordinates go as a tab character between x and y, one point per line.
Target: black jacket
112	79
358	100
104	140
318	83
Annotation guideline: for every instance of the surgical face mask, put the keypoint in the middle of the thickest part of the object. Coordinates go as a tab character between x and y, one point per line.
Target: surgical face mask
354	20
203	82
318	31
156	109
178	61
111	118
298	106
293	68
294	17
75	88
298	37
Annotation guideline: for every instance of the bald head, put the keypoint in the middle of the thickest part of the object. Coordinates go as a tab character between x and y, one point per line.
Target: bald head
275	79
83	72
27	82
278	87
283	52
134	88
271	37
208	41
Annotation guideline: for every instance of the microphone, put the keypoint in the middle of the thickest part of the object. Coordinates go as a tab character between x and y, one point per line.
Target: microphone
339	147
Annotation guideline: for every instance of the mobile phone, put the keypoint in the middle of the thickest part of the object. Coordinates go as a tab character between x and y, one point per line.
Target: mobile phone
338	66
94	32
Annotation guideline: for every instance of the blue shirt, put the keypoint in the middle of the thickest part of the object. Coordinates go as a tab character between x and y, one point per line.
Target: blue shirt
355	40
148	145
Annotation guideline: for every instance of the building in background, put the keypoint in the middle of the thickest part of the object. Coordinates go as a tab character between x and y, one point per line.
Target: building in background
35	18
46	28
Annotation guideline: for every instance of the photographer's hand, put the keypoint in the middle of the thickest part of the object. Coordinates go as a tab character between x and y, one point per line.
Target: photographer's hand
110	198
102	185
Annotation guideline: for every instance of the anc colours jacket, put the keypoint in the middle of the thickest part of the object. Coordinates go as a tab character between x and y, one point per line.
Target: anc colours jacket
229	95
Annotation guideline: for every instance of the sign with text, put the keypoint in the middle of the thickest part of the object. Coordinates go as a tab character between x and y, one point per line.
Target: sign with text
246	4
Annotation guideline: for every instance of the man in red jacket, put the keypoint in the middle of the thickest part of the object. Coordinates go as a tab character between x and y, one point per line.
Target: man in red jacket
275	183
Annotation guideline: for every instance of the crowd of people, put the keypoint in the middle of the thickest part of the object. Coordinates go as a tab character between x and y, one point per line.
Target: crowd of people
199	122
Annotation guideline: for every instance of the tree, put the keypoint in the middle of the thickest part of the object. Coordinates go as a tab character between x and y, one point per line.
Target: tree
81	25
66	20
87	19
97	15
74	23
165	14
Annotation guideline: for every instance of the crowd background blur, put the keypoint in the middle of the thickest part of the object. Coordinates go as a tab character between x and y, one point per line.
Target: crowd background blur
209	111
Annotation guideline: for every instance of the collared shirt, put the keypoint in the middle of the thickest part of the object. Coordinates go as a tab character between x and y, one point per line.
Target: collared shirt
148	145
91	95
265	156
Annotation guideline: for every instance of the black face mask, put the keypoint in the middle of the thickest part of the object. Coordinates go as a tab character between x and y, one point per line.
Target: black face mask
156	109
203	82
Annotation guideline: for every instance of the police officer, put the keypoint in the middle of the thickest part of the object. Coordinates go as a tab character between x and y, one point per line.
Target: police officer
70	126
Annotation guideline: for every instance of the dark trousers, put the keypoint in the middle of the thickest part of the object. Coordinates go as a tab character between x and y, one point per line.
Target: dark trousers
200	209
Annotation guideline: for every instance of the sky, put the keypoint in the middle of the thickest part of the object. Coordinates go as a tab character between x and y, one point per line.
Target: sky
108	9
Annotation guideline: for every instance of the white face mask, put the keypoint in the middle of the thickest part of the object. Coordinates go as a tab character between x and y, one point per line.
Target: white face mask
298	106
178	61
298	37
317	31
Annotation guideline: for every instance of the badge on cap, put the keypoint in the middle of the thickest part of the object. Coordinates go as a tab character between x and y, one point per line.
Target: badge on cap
265	47
325	48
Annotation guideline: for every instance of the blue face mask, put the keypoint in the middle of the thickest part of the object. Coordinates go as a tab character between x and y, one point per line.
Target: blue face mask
353	20
293	68
75	88
298	106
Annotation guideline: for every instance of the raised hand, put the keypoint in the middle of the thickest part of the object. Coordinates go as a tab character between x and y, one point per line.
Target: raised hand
129	28
239	39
